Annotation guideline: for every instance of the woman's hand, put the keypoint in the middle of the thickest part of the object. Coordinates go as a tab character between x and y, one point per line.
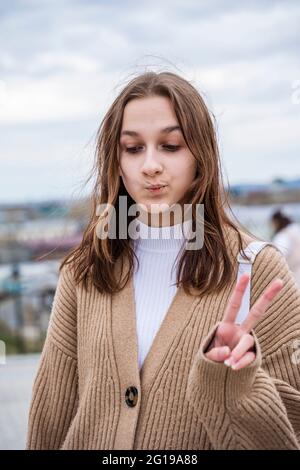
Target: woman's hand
233	344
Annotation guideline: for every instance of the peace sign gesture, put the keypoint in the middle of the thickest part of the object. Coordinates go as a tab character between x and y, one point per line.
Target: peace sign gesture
233	344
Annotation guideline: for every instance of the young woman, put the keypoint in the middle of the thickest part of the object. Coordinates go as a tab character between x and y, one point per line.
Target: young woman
140	355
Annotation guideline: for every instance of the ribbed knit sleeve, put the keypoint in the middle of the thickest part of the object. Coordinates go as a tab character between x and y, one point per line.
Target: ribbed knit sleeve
257	407
55	390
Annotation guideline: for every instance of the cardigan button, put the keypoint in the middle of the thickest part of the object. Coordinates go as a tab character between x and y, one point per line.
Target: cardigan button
131	396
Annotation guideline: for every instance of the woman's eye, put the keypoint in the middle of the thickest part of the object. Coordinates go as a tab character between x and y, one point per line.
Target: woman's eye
132	149
170	148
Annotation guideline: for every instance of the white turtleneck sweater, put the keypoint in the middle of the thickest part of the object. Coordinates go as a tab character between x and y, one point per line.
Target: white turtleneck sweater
155	280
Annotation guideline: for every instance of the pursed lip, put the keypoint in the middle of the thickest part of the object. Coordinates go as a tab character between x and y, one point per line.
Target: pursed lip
156	186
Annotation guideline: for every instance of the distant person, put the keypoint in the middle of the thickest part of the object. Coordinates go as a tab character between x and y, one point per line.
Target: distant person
287	238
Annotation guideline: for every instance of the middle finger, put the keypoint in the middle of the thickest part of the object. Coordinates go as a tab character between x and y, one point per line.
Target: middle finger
236	298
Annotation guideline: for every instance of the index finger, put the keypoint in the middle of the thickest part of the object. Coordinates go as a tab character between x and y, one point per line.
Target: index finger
261	305
236	298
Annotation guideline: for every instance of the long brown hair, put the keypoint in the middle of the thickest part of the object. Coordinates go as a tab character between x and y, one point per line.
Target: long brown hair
208	269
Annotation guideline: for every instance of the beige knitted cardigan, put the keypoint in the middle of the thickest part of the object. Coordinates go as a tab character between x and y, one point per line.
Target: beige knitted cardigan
183	400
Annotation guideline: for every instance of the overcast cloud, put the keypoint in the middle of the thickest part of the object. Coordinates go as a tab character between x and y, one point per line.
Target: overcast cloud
63	62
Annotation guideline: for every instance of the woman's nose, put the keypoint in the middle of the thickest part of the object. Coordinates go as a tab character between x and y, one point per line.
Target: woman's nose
151	163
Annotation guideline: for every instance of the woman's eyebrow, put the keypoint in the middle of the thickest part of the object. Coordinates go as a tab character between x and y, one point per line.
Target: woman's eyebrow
166	130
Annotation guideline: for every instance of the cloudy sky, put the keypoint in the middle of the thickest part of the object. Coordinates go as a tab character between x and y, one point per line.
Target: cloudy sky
62	62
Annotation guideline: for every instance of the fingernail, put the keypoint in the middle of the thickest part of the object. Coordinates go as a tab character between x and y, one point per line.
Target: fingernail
227	363
230	360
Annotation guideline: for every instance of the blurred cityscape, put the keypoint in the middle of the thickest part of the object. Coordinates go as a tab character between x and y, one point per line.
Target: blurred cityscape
33	240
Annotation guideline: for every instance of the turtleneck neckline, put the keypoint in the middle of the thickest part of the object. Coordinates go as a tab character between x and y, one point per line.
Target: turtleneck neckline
161	239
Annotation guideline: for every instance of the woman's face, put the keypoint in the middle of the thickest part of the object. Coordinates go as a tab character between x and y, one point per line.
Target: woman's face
150	154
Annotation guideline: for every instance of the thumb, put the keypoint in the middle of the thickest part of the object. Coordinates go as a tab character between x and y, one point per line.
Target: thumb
218	354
